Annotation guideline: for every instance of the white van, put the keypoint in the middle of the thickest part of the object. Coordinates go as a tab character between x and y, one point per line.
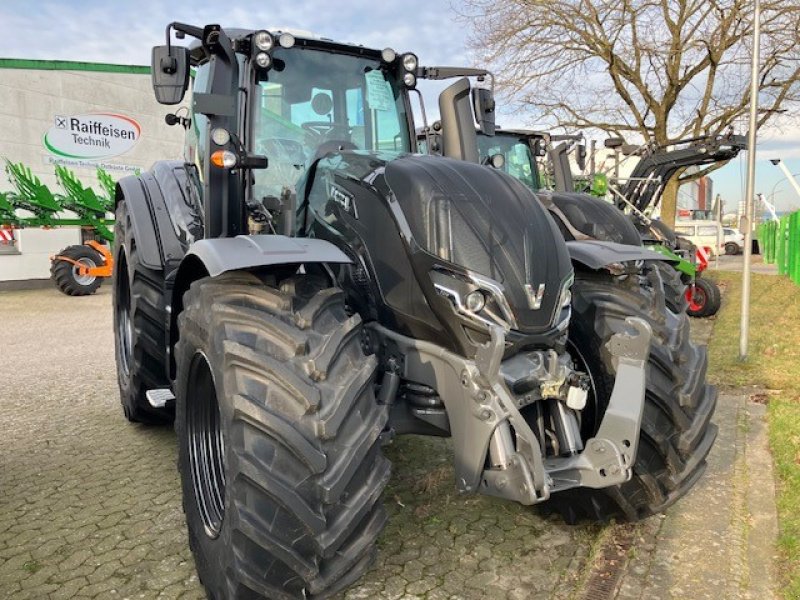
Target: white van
706	234
733	240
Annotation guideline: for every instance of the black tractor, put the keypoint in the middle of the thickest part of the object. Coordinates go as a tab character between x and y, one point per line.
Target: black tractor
302	288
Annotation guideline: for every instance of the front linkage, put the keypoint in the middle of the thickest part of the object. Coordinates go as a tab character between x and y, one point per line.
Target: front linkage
483	412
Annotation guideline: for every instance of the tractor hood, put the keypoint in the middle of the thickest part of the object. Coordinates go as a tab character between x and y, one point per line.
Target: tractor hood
584	217
488	223
444	249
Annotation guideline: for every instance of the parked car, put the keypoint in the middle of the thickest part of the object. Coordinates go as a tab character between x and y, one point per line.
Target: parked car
732	241
705	234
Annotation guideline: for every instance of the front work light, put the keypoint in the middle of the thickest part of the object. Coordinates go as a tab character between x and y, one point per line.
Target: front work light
410	62
263	41
388	55
263	60
220	136
286	40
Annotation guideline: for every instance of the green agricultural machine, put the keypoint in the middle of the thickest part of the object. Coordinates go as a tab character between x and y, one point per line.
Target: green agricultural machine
77	270
308	287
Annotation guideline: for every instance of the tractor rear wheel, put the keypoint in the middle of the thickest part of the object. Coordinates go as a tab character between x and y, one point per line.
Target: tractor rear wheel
278	438
67	275
676	433
139	327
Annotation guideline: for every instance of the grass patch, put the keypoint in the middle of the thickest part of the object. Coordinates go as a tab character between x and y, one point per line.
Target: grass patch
773	363
31	566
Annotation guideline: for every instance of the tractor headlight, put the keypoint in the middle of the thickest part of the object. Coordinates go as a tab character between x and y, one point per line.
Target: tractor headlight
263	41
410	62
409	79
563	310
475	297
475	301
566	298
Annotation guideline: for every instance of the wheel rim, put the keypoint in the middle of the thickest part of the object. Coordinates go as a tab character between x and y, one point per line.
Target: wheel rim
206	452
76	271
697	298
124	326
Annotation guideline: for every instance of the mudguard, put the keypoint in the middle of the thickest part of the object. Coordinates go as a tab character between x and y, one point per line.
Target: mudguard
596	254
164	209
248	251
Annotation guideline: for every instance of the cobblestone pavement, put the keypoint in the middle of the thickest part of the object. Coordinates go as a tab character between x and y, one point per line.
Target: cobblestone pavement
90	505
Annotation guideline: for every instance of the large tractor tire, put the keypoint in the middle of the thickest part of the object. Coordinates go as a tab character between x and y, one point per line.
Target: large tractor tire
66	275
279	439
139	327
704	298
676	433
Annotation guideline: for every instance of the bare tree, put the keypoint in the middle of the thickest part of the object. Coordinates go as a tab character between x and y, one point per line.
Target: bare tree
657	70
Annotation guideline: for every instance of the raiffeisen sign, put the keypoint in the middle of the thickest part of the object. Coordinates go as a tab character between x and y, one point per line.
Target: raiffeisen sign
92	136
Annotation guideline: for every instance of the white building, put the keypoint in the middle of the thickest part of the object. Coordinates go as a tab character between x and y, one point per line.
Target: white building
80	115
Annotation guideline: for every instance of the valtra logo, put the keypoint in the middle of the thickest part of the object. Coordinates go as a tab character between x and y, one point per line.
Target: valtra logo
92	136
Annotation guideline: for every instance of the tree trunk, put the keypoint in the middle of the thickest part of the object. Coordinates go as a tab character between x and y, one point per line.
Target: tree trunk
669	201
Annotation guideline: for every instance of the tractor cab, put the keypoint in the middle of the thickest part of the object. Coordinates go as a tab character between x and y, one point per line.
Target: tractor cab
522	153
268	105
309	100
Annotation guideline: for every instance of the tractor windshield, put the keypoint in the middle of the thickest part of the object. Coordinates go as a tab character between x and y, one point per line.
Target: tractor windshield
519	162
313	102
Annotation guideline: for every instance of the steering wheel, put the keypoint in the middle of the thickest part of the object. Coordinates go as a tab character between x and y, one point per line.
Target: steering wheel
325	128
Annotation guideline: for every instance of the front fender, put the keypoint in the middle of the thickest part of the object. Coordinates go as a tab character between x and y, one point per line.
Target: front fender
219	255
596	254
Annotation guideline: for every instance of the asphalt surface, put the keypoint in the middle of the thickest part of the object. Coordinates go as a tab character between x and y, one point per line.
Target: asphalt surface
90	504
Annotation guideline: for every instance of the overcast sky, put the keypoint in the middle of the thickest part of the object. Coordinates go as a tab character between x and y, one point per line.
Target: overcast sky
123	31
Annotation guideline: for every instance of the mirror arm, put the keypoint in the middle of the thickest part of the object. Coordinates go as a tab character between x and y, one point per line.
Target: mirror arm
182	29
439	73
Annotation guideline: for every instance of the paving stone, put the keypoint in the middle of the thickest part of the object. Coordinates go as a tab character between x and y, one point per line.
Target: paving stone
91	507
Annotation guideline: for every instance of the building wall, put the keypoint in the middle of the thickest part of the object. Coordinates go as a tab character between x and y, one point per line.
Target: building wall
33	93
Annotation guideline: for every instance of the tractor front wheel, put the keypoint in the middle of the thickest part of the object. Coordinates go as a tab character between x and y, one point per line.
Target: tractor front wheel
278	438
676	433
139	327
66	270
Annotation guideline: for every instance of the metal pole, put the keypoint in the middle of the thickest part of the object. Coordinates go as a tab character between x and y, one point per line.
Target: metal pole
751	184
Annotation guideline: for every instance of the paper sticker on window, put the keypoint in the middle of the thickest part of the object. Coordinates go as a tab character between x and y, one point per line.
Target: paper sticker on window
379	92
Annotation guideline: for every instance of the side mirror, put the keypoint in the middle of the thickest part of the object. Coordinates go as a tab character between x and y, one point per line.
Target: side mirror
170	73
483	106
613	143
580	156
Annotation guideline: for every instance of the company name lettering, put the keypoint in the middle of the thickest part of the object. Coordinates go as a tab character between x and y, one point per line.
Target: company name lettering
98	128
